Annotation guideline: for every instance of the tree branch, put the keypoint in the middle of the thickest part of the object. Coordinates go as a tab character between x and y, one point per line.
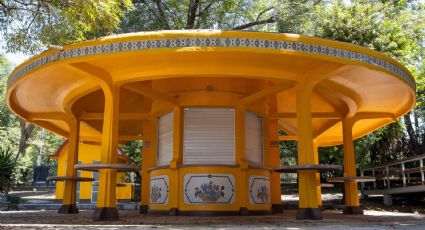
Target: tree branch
255	23
205	9
177	21
263	12
191	13
162	13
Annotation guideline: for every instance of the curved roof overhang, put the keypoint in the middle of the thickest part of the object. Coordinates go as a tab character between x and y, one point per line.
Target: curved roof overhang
351	80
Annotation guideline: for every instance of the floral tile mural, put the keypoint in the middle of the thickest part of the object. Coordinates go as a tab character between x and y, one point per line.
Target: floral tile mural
259	190
159	189
209	188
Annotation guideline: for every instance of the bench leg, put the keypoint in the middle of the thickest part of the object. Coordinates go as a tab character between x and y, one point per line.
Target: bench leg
388	200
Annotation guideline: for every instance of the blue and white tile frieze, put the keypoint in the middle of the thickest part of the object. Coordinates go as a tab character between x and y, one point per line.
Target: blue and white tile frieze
159	189
239	42
259	190
209	189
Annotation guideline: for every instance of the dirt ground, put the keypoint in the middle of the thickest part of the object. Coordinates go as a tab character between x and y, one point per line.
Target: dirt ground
405	214
133	220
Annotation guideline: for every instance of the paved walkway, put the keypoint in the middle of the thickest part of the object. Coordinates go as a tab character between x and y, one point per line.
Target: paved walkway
133	220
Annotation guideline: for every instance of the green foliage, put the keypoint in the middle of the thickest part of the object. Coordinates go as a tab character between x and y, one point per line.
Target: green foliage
192	14
133	149
396	28
7	165
40	143
29	26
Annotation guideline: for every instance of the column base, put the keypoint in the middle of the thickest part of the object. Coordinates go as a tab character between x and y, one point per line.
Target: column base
352	210
143	209
243	211
174	212
309	214
277	208
105	213
68	209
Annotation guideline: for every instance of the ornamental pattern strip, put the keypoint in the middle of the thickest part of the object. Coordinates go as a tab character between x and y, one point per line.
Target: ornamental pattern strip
212	42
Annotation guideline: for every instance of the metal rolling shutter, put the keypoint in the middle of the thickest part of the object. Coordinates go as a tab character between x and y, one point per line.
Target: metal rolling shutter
209	136
253	139
165	139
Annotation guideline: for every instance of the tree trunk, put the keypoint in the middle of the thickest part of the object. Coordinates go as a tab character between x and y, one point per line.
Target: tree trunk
411	132
26	131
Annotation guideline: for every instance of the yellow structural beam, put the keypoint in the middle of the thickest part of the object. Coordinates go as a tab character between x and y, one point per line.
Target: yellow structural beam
316	115
70	186
93	72
144	90
287	138
174	195
265	93
47	116
271	132
122	116
308	202
106	204
352	204
316	162
148	161
241	159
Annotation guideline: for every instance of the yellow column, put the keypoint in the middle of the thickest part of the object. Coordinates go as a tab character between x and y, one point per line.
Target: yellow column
106	204
318	188
70	186
242	190
174	194
148	161
308	203
271	133
352	204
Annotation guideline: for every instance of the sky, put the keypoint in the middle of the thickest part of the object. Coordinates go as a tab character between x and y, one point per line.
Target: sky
14	58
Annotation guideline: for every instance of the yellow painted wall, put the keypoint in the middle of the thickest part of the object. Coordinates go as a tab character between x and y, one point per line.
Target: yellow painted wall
87	154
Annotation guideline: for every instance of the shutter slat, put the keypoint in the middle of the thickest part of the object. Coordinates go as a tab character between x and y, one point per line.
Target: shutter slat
165	139
253	139
209	136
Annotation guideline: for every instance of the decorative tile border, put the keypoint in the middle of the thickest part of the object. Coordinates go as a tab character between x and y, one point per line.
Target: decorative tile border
180	42
209	189
159	189
259	190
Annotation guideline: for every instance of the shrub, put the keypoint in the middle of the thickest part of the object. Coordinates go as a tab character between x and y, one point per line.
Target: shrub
7	164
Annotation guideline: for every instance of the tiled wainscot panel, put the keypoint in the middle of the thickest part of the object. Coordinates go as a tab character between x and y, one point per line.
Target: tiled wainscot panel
259	190
159	189
209	189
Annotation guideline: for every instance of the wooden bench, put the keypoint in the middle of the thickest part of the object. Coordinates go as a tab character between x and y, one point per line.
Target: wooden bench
65	178
351	179
326	185
319	168
118	167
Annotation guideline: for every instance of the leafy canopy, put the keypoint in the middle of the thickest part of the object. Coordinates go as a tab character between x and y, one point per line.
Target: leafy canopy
31	25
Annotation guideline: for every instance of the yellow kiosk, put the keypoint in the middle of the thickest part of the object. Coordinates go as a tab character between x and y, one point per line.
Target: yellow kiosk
208	105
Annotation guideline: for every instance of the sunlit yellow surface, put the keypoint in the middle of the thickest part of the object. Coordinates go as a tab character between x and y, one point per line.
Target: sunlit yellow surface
116	87
89	153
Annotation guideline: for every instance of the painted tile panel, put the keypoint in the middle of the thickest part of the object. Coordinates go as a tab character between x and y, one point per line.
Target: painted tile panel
159	189
209	189
259	190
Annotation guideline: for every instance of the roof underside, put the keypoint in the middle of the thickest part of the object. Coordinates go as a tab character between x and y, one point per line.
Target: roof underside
46	92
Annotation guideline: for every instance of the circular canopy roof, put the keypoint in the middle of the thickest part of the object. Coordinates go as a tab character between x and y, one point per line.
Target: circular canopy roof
351	79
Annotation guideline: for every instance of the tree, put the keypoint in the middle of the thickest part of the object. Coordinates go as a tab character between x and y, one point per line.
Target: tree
31	25
396	28
149	15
